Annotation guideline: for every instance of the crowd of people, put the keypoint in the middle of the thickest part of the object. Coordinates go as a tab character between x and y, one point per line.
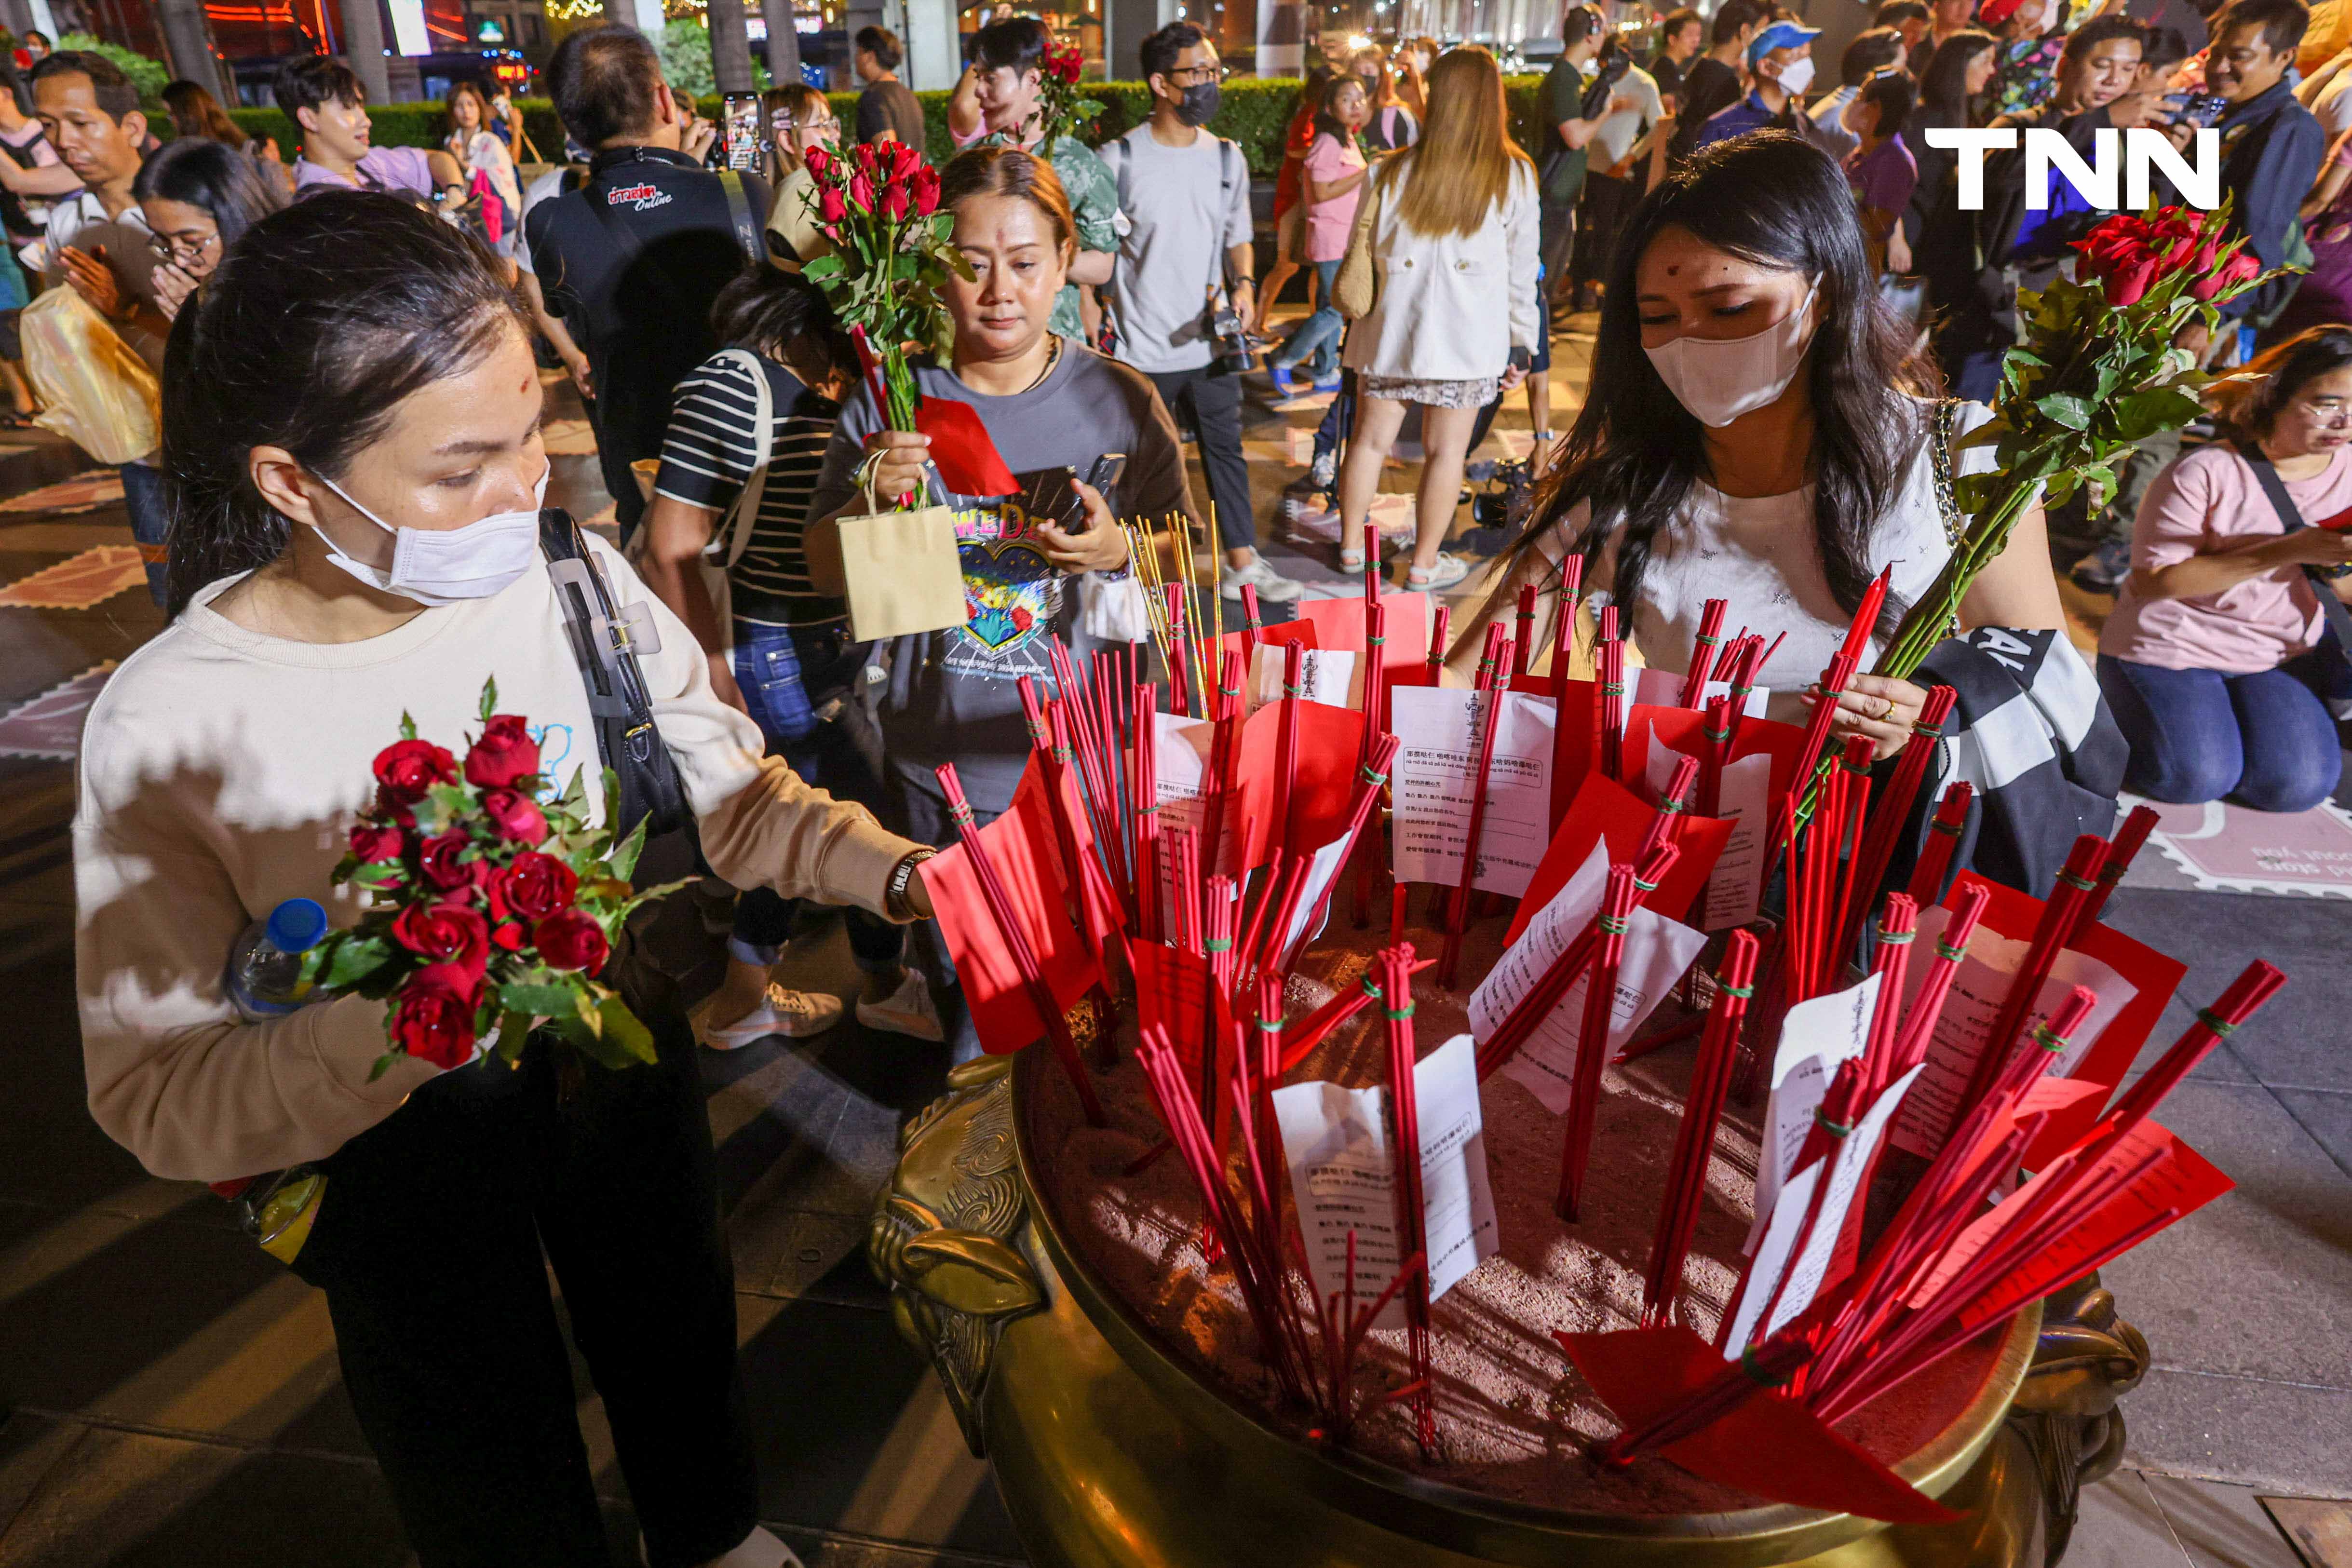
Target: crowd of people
1798	324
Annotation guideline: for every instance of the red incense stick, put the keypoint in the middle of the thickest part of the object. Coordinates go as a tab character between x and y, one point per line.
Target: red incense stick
2120	856
1893	808
1437	645
1592	1038
1918	1026
1563	635
1285	761
1497	692
1718	1049
1934	864
1412	1207
2076	880
2246	996
1710	633
1612	697
1016	942
1534	1007
1524	637
1252	623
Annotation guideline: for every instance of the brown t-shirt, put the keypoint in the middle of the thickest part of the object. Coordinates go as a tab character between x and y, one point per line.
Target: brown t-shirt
889	106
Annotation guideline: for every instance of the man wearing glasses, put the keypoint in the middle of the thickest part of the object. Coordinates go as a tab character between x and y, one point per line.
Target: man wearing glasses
1186	253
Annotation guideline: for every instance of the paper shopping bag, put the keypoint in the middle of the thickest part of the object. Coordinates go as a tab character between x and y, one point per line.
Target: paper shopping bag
899	569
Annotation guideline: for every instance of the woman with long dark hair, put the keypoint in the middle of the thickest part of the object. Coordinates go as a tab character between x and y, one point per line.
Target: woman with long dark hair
2222	672
198	197
1756	431
482	156
1941	236
351	420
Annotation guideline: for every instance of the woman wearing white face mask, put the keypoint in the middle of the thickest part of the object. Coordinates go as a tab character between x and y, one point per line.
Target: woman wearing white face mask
1754	432
351	424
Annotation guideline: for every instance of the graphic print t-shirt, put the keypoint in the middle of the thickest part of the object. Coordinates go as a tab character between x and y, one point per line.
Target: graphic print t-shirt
953	696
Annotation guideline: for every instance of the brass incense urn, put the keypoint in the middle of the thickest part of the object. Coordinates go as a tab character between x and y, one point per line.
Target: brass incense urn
1111	1453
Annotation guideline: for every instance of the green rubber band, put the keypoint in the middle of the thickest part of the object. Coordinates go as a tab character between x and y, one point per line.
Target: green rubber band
1640	886
1672	804
1372	986
1377	642
1219	944
1147	810
1742	991
1948	829
1290	690
961	815
2207	1017
1705	641
1369	778
2080	884
1611	926
1896	937
1722	734
1403	1012
2049	1042
1270	1026
1948	951
1834	1129
1756	1374
1921	727
1612	688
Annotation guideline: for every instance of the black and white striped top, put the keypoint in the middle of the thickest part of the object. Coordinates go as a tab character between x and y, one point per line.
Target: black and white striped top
713	444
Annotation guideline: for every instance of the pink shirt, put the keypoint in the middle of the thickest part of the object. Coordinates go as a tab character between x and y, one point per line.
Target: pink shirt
1328	222
2208	503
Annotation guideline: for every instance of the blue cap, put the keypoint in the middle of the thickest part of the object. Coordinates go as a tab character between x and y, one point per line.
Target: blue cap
1779	35
295	925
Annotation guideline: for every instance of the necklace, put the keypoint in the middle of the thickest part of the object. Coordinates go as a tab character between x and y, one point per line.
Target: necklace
1053	357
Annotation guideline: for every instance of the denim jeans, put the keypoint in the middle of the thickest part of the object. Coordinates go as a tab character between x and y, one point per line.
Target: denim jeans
786	674
150	506
1315	343
2266	740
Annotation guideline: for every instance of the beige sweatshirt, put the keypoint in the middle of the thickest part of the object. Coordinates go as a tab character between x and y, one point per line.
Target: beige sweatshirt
221	772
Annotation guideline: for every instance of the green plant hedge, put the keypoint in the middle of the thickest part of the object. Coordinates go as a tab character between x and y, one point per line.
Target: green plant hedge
1254	113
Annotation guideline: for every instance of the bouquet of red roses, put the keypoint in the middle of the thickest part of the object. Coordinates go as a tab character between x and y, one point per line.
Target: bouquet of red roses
492	907
878	203
1061	111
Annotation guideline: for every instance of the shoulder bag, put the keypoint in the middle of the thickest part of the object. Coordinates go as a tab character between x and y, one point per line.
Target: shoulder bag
1354	287
2323	579
733	533
605	641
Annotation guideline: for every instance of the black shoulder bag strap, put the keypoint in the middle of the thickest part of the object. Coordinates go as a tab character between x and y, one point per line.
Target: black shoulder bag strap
627	737
2323	579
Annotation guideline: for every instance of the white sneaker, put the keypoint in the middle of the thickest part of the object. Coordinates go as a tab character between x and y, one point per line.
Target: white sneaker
757	1549
1443	573
796	1015
1272	586
905	1011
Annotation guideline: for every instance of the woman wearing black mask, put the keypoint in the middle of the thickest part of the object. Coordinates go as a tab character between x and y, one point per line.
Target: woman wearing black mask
1756	431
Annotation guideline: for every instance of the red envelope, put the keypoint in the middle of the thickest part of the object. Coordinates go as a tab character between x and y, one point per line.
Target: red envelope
1339	627
967	459
1328	741
1022	847
1770	1444
1105	915
1605	809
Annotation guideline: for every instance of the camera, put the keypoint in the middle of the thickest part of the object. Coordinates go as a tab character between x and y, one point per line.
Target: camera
2201	109
1234	353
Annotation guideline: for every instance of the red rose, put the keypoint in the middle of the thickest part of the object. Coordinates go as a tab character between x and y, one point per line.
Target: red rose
895	204
831	206
2127	284
861	191
437	859
406	769
433	1016
571	940
444	933
505	752
1022	619
2239	269
537	885
926	191
816	160
515	815
903	159
370	842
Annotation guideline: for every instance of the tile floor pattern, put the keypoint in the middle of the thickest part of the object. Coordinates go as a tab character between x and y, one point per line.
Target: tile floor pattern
168	1396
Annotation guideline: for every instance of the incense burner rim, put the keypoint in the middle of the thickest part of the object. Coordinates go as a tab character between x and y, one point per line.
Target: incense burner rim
1455	1518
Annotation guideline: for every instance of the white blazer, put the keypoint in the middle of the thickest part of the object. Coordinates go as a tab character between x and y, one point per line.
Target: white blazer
1452	308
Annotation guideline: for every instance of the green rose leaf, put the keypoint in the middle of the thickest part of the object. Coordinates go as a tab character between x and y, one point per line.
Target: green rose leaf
354	958
489	698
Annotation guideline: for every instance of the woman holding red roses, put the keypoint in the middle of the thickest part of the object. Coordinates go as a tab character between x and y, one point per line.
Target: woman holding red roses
351	423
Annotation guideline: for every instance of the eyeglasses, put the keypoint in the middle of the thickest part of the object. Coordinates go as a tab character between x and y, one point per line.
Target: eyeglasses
173	248
1195	76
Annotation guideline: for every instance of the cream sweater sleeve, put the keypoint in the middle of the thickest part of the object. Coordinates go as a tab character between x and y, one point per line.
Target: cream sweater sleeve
762	827
173	1076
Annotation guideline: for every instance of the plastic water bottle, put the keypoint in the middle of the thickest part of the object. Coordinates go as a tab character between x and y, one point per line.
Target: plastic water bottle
266	960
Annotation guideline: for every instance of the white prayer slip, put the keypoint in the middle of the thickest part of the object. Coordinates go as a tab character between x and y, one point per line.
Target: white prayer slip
1657	952
1343	1177
1816	1036
1735	888
1325	676
1654	688
1971	1008
1434	780
1827	1255
1322	870
1181	764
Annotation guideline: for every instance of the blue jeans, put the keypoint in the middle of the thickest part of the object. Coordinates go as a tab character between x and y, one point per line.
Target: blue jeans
2264	740
150	506
786	674
1315	343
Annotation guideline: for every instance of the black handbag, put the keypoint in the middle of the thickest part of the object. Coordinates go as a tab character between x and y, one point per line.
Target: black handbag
604	642
2323	578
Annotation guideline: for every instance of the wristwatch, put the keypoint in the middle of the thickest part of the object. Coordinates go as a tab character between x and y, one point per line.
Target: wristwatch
902	876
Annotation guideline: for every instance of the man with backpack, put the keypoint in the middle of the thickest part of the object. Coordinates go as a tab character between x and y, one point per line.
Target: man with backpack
633	260
1186	197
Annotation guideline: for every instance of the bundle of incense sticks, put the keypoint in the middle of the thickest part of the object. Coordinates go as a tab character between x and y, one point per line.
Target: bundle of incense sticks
1437	635
1887	817
1592	1038
1612	661
1252	622
1375	707
1523	634
1695	1139
1395	965
1933	868
1918	1026
1563	643
2061	920
1016	942
2129	842
1710	633
1495	685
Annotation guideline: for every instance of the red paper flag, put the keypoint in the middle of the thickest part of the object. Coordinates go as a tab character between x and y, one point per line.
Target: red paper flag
1105	915
1768	1444
1604	809
1339	625
968	461
1022	846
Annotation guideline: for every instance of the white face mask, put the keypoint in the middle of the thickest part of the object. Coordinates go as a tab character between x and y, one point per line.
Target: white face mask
1719	379
448	565
1797	75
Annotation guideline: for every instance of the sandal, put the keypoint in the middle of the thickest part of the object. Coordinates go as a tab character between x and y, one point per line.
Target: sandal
1352	562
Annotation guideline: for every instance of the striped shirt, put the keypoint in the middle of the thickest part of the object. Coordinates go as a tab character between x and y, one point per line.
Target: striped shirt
713	444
